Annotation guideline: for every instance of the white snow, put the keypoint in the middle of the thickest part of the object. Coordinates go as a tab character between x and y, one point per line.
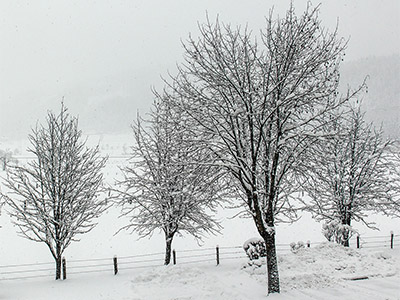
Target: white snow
322	272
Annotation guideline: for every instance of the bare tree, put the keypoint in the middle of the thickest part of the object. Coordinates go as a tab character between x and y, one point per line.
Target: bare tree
6	157
168	185
55	197
259	107
351	174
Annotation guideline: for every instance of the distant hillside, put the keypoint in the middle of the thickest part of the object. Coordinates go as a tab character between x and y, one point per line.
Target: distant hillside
382	102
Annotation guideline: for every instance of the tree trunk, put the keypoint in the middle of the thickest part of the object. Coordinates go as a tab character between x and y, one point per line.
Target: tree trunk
268	234
58	261
58	267
168	243
272	264
346	239
346	236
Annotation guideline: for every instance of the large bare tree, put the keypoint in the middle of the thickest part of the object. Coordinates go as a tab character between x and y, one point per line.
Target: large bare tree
258	106
168	185
352	173
55	197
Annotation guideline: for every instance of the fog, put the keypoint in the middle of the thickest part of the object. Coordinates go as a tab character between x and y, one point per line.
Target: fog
103	57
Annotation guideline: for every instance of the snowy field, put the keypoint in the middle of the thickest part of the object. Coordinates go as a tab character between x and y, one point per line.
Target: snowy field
320	272
323	272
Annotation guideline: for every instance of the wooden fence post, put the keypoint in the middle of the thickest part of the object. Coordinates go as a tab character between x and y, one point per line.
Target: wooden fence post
358	242
174	256
217	252
64	268
308	244
391	239
115	265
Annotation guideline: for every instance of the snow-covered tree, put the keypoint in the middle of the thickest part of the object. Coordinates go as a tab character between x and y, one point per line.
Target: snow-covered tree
351	174
168	185
55	197
259	104
6	157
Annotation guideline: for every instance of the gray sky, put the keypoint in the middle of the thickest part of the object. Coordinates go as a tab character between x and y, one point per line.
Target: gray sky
103	56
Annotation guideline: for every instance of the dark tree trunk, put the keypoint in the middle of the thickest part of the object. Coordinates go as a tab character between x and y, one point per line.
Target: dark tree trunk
272	264
58	267
168	243
58	259
268	234
346	239
346	236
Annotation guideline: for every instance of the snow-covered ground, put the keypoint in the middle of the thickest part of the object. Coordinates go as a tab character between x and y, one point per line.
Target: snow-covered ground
320	272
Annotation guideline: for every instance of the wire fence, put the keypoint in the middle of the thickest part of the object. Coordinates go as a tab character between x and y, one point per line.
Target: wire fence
376	241
27	271
211	256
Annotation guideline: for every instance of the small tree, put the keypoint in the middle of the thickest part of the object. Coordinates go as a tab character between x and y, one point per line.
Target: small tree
168	186
351	174
6	157
258	107
56	196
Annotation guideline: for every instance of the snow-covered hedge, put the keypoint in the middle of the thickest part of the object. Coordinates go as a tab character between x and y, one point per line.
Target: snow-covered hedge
255	248
294	247
335	231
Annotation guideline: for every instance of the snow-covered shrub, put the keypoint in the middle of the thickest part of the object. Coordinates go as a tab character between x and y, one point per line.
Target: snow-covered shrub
335	231
294	247
255	248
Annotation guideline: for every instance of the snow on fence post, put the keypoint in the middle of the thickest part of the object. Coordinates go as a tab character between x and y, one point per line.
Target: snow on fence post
174	256
217	252
308	244
64	268
115	260
358	241
391	239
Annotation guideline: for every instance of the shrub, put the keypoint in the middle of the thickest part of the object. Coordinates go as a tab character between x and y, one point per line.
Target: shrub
255	248
294	247
335	231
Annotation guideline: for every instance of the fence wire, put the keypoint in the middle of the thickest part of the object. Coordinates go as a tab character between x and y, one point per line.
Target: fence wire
187	256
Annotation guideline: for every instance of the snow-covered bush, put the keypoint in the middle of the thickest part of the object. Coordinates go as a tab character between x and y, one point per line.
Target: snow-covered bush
255	248
294	247
335	231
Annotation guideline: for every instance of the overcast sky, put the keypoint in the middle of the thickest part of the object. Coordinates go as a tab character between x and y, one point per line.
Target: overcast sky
104	56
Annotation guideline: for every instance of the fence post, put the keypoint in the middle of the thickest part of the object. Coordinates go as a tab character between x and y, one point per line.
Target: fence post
358	242
174	256
391	239
115	265
217	252
64	268
308	244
